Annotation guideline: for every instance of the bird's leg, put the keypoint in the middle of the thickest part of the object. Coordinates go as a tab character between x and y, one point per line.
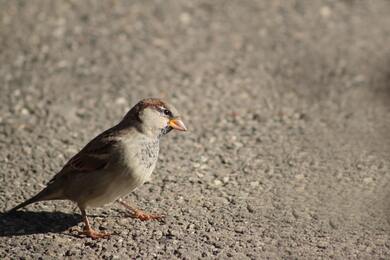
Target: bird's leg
139	214
88	231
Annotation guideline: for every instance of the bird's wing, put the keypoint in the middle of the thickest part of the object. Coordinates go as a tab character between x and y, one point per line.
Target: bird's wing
93	157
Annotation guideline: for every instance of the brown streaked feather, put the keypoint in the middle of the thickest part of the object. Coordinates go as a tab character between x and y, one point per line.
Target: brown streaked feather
86	162
93	157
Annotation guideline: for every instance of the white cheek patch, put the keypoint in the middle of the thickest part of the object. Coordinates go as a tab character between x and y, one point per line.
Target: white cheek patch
152	118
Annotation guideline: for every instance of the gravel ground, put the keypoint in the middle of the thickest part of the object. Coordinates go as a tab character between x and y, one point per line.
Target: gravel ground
287	103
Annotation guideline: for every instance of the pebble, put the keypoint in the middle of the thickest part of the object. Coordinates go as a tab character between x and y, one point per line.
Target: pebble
359	166
173	233
333	223
322	244
367	180
204	159
63	64
121	101
325	11
250	208
185	18
295	213
217	182
25	111
158	234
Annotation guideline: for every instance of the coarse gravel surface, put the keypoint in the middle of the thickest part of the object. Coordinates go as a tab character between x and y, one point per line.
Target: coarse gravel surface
287	105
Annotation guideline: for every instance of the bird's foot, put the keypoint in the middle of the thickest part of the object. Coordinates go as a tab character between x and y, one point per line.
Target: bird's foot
91	233
95	234
145	216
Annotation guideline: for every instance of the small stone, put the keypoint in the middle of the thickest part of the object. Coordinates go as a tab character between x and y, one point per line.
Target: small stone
359	78
19	61
367	180
63	64
380	242
121	101
180	199
45	49
239	230
250	208
299	176
158	234
204	159
191	226
203	166
238	144
322	244
217	182
333	224
254	184
301	188
185	18
212	140
25	111
59	32
159	42
172	233
16	93
123	221
325	11
226	179
295	213
200	175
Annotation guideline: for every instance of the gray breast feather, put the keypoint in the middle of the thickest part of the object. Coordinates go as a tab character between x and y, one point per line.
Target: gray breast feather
148	153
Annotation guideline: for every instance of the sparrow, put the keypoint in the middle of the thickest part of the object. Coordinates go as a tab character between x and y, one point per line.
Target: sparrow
114	163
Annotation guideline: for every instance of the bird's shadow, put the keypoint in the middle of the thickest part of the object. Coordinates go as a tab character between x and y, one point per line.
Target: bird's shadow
28	222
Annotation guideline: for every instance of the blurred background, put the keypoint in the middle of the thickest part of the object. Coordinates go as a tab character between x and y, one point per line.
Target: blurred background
287	103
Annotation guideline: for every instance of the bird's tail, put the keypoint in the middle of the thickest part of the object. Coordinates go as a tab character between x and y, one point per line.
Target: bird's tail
45	194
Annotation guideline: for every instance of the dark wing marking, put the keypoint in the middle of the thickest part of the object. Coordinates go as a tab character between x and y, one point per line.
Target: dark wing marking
93	157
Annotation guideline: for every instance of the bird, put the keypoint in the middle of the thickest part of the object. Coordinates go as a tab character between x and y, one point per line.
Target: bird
114	163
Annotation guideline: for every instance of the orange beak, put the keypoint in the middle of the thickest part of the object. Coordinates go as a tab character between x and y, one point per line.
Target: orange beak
177	124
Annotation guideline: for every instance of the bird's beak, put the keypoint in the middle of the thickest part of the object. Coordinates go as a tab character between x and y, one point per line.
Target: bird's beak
177	124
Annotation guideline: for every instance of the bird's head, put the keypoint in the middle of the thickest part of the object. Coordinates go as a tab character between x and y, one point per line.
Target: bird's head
155	117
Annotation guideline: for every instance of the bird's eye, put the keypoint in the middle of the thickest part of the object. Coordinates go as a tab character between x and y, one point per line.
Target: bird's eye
167	112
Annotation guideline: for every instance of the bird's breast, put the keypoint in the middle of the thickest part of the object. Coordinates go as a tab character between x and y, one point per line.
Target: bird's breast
147	153
140	158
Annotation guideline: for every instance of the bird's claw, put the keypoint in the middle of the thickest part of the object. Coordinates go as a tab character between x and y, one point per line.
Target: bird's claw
91	233
95	234
146	217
